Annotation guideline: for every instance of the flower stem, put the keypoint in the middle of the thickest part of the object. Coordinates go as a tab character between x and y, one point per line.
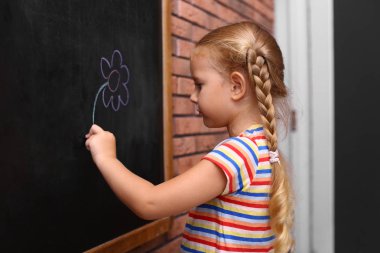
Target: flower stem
96	98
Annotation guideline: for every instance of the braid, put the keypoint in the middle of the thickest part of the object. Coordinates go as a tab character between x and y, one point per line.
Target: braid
258	70
281	204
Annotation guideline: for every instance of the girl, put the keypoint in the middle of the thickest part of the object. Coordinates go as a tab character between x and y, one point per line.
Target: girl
240	190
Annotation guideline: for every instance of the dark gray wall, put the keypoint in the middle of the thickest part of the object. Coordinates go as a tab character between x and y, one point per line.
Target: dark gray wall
357	103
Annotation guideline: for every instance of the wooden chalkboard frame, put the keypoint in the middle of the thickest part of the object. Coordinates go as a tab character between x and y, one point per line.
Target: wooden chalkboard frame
157	228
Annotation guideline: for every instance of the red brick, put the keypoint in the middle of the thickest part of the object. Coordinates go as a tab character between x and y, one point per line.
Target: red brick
269	3
181	27
184	145
192	125
181	66
174	45
178	225
264	22
262	8
208	142
227	14
182	164
171	247
185	85
200	143
206	5
198	33
183	105
182	47
215	23
174	6
193	14
174	84
240	7
265	10
249	2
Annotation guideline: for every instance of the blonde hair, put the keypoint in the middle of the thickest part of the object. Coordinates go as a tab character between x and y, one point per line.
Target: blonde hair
248	48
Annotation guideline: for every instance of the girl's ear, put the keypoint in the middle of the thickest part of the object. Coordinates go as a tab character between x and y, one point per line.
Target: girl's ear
238	85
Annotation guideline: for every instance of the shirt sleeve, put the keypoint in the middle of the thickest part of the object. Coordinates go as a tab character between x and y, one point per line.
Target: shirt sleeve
238	158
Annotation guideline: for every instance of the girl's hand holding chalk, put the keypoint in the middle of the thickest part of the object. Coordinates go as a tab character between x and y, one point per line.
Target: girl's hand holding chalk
101	144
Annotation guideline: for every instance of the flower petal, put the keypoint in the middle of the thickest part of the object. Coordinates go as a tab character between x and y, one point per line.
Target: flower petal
124	74
105	67
117	59
107	97
123	95
116	104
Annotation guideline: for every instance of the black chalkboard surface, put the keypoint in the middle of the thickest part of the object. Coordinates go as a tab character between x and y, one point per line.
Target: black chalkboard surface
55	56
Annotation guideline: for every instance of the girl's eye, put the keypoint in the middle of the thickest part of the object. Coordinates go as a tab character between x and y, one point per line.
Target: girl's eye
198	86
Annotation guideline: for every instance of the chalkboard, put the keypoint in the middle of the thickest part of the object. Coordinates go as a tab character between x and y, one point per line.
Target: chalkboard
63	65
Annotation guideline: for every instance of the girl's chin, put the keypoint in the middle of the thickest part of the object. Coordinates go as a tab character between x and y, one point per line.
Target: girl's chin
210	124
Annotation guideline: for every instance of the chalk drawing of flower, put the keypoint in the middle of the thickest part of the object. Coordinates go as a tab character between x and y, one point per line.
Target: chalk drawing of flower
117	77
114	90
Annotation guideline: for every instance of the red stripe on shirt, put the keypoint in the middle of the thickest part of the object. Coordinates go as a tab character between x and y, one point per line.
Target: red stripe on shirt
261	183
264	159
259	137
249	169
243	203
230	178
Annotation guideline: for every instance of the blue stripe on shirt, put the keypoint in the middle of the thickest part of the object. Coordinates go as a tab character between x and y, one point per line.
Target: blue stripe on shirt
248	147
233	163
243	215
190	250
263	171
232	237
251	131
253	194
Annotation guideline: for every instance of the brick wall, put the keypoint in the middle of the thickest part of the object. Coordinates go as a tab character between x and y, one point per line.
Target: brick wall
191	19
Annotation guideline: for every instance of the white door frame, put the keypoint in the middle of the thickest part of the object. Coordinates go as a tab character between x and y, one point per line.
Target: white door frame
304	30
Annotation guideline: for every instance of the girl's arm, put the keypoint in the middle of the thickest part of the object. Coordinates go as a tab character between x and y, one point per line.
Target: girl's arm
198	185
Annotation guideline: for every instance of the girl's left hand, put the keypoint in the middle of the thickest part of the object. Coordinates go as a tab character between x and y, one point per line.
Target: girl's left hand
101	144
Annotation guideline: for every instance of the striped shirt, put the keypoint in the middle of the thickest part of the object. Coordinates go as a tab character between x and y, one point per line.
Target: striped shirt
237	220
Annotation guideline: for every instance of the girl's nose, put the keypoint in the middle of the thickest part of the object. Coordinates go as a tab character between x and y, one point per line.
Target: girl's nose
194	97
